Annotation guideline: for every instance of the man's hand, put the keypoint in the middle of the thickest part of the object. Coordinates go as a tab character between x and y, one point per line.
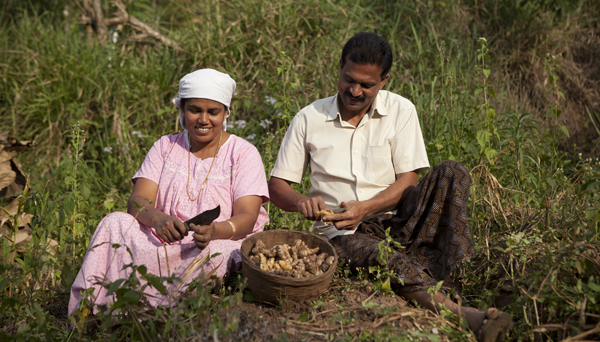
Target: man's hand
169	228
286	198
388	199
349	219
203	234
310	206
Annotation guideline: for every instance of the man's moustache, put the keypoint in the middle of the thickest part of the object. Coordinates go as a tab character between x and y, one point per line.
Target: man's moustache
359	98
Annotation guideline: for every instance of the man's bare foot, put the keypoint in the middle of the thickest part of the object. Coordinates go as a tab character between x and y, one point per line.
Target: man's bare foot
491	325
473	316
495	326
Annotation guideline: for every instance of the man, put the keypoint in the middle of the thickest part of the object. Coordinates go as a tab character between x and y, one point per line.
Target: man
365	149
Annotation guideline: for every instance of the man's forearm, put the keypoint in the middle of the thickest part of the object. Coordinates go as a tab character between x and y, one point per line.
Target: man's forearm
283	195
394	195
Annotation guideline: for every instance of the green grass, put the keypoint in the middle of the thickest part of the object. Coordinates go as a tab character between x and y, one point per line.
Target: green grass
534	204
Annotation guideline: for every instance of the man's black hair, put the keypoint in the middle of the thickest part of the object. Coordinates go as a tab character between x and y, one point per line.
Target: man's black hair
368	48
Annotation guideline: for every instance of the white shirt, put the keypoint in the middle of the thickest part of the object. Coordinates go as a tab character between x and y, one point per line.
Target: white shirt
351	163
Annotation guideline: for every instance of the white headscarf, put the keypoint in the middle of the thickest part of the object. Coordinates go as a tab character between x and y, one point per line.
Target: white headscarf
205	84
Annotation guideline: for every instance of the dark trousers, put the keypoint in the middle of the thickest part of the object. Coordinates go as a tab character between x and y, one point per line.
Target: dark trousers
431	225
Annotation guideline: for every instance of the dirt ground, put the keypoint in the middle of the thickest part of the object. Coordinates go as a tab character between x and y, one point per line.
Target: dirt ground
348	311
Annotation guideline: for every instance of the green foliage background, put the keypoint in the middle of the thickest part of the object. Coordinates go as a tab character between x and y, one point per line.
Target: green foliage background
94	109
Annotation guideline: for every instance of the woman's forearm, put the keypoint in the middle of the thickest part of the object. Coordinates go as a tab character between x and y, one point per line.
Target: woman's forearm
245	213
143	210
243	223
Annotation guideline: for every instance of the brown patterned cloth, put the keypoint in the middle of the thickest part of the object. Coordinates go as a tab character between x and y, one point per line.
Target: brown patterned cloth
431	225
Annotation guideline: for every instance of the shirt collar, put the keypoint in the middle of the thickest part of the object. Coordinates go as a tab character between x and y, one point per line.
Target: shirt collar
333	110
379	104
378	107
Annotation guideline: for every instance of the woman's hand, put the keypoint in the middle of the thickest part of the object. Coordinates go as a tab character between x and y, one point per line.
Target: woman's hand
169	228
141	206
203	234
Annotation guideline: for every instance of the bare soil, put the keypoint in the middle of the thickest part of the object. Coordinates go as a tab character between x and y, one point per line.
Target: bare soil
349	311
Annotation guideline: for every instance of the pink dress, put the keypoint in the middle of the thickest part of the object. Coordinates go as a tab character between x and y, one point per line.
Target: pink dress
238	171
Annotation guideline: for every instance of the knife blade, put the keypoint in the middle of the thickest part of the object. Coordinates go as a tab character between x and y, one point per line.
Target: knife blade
203	218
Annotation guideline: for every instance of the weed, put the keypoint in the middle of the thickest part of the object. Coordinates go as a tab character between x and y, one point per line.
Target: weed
552	65
78	193
484	136
381	273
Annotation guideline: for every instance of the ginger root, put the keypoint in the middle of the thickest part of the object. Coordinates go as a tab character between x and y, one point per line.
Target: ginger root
258	247
322	213
296	260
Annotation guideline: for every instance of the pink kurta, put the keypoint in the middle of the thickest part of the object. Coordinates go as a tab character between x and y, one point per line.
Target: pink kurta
237	172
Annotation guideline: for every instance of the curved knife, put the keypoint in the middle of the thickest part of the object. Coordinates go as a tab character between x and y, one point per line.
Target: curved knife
204	218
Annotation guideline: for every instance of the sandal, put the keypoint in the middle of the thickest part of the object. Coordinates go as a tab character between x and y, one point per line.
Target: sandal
496	328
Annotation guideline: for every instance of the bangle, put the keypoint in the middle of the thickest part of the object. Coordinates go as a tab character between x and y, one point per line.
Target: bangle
232	228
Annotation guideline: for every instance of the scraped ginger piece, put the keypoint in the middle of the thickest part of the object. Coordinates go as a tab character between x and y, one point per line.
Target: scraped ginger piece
322	213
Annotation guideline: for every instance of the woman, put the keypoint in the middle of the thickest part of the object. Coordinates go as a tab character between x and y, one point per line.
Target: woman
183	175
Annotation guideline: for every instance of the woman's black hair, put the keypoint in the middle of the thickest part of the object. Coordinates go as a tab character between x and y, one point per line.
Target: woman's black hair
368	48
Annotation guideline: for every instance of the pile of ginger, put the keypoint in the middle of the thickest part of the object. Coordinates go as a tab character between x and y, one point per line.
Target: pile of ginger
297	260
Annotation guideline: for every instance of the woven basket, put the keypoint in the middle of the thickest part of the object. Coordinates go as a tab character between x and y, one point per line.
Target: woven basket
272	288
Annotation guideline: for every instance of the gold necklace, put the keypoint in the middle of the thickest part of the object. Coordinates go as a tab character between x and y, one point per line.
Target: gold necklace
209	170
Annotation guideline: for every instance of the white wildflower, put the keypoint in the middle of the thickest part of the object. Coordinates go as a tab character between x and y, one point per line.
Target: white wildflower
251	137
270	100
115	36
265	123
279	114
108	149
241	124
137	133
